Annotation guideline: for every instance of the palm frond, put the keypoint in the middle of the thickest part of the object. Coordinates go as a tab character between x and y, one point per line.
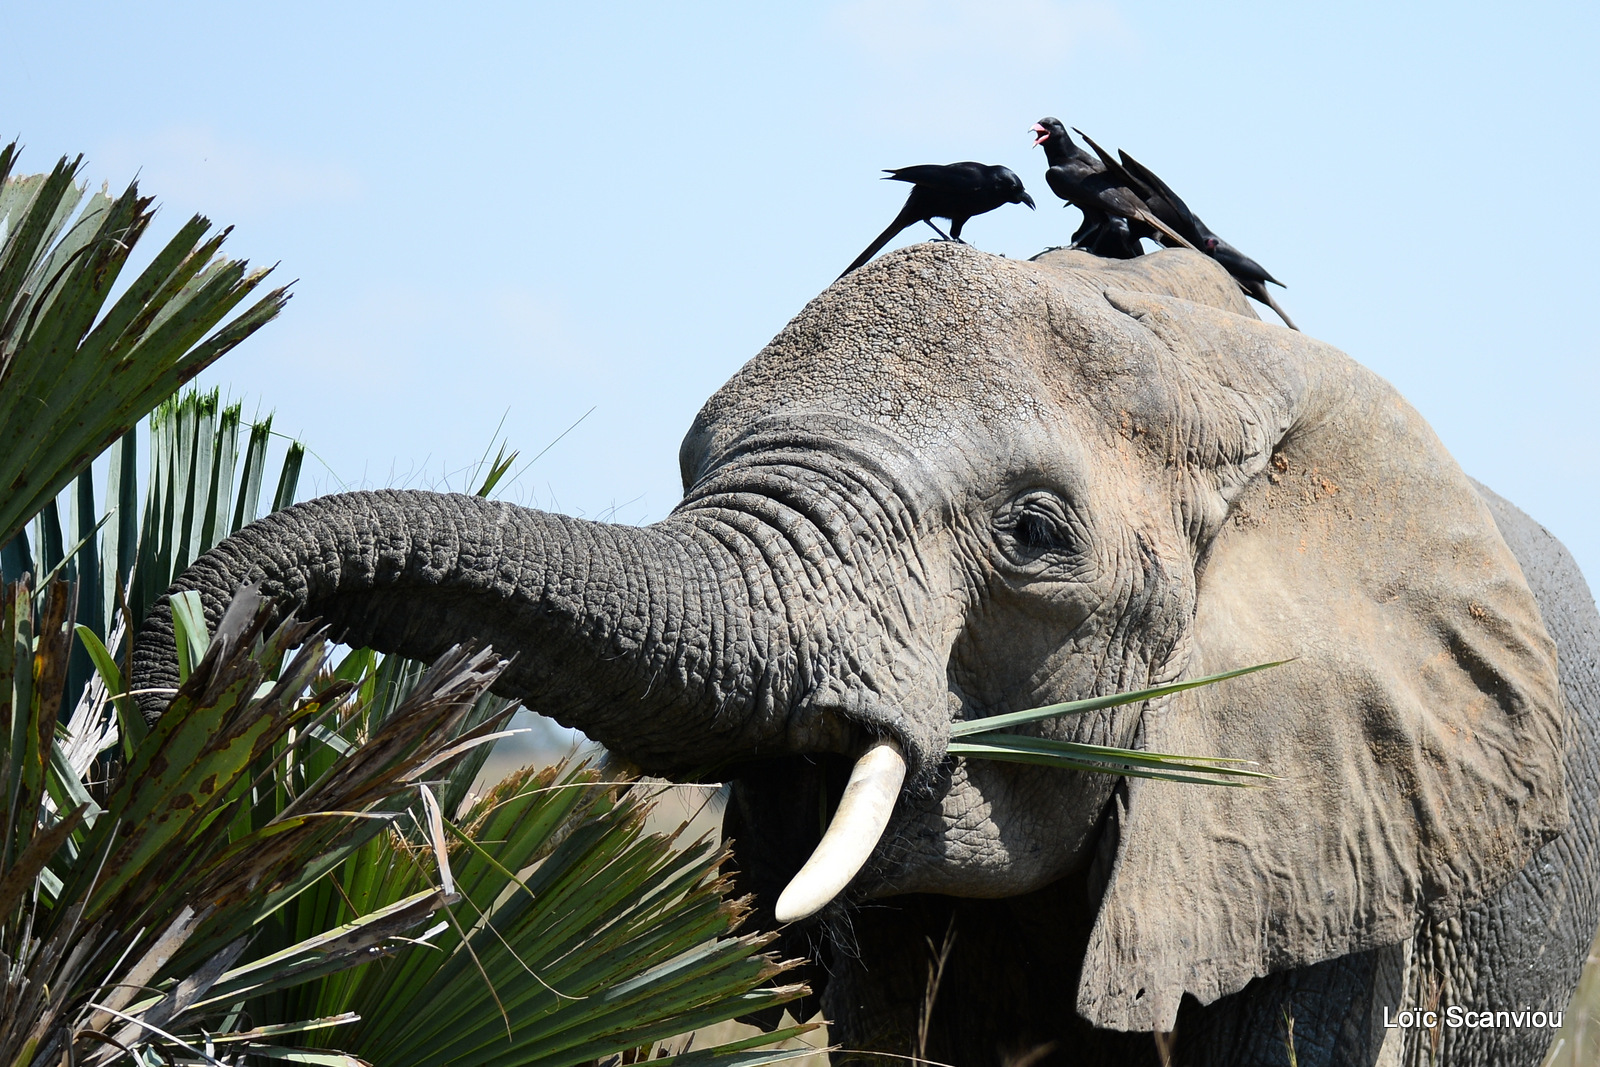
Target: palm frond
577	936
123	919
282	839
1011	720
75	374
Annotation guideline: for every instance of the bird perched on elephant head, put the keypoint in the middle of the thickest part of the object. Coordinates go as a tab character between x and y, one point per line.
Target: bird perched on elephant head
954	191
1102	195
1167	206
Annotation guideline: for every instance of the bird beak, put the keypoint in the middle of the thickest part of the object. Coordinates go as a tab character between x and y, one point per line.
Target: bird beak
1026	199
1044	134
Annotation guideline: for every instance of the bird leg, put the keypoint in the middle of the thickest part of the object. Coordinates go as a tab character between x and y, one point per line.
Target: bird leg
942	235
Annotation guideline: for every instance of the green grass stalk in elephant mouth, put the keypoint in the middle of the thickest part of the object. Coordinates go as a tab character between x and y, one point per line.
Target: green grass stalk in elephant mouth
995	741
854	817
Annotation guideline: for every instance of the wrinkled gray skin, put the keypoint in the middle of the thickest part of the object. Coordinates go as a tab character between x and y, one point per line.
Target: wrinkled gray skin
957	485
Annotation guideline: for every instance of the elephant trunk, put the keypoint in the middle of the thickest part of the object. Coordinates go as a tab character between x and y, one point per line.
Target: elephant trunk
660	642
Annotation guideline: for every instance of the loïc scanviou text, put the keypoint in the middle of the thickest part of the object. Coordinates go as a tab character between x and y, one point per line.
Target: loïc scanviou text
1456	1017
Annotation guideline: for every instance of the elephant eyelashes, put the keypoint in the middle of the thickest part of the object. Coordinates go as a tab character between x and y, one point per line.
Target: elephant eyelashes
1036	531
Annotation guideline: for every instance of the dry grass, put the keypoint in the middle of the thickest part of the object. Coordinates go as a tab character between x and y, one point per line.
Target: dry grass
1578	1042
939	956
731	1031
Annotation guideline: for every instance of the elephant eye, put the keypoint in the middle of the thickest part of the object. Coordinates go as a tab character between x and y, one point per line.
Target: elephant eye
1036	524
1036	531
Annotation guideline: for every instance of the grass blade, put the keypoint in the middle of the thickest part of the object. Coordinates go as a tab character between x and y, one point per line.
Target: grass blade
1101	759
1012	720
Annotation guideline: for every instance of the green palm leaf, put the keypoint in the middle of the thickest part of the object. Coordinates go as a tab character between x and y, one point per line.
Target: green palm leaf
1012	720
210	887
75	375
164	884
615	939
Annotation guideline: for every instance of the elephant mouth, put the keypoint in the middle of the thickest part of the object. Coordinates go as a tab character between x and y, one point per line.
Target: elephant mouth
813	822
853	832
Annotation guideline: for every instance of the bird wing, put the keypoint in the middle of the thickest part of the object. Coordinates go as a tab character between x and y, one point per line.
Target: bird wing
1241	266
1146	216
956	177
1153	182
1115	167
1061	181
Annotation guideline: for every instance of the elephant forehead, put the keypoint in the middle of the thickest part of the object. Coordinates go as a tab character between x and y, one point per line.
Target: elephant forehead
934	341
903	343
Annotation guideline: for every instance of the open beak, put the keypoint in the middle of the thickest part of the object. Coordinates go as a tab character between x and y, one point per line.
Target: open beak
1044	134
1026	199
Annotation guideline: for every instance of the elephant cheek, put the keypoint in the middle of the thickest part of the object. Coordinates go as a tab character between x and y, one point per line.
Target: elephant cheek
990	830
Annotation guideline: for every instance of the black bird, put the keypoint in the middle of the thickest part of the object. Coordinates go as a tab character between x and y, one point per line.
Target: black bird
1169	207
1077	177
1100	234
954	191
1108	236
1251	276
1163	203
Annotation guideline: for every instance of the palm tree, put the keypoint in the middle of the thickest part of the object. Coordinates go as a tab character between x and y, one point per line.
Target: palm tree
289	864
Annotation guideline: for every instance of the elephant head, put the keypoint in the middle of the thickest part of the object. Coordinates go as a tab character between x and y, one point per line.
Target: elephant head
957	485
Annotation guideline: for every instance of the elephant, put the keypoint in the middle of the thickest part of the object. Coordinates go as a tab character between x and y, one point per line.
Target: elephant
957	485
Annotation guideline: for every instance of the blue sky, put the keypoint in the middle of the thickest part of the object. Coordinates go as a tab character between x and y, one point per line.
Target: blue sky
533	210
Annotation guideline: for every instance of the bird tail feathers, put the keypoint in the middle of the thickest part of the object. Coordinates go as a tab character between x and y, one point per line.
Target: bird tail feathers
901	221
1266	298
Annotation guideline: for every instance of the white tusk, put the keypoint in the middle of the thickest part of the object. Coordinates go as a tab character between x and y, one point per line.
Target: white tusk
852	834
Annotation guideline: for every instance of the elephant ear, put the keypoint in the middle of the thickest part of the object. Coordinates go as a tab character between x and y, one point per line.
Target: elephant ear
1417	734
